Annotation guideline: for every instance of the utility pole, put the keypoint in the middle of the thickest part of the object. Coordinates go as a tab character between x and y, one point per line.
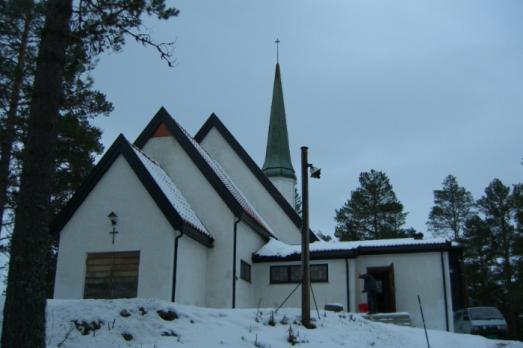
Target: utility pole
306	274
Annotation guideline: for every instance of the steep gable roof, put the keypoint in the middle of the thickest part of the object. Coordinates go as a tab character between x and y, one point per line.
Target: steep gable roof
164	192
213	172
214	122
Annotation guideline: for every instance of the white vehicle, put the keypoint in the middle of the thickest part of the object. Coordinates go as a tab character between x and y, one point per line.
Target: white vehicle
485	321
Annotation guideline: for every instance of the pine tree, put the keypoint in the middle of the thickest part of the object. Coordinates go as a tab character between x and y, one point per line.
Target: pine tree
500	209
453	205
479	259
97	27
372	212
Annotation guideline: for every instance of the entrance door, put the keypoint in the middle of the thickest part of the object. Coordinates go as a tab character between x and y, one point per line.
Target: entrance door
386	296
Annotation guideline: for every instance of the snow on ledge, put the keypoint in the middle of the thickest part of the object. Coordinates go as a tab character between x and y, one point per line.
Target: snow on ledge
280	249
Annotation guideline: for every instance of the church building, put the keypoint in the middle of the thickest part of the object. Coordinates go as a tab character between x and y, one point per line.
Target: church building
195	220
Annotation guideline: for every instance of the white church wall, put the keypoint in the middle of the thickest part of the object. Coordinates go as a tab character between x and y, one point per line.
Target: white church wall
286	187
141	226
272	295
247	243
280	223
191	271
414	274
209	207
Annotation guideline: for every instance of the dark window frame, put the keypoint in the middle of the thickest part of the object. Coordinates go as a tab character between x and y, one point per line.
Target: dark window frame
289	277
245	271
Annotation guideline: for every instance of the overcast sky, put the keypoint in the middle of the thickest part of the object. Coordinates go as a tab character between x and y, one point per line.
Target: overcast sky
417	89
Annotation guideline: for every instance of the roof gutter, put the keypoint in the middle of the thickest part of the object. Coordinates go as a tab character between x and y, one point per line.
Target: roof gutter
175	264
445	291
234	261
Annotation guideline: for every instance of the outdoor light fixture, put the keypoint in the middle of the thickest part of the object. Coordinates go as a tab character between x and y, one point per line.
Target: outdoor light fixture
315	171
113	218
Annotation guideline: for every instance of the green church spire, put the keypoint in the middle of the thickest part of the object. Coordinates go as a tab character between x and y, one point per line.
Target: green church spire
278	157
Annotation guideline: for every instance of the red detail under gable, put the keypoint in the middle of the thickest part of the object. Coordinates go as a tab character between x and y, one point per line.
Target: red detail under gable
161	131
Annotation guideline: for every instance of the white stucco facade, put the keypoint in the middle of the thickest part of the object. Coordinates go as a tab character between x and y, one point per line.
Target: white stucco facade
247	243
272	295
418	273
415	274
286	187
142	227
260	198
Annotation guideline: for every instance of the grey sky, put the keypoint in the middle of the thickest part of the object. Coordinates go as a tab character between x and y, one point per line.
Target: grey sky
417	89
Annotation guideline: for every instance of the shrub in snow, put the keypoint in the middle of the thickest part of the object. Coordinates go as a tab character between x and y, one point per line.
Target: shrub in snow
284	320
271	321
170	333
86	328
292	337
167	315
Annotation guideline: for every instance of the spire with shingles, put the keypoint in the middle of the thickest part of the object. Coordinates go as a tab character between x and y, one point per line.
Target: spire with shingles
278	157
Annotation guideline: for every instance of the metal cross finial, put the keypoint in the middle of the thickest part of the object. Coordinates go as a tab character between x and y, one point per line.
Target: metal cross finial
277	42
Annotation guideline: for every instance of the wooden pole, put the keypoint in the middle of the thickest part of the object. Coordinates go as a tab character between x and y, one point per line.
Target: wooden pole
305	289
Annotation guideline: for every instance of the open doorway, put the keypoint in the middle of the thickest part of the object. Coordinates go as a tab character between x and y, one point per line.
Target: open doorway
386	295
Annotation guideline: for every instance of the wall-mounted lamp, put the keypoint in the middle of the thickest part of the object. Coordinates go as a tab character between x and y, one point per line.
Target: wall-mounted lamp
114	220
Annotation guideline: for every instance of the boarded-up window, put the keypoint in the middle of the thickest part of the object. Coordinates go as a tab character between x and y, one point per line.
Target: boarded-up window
112	275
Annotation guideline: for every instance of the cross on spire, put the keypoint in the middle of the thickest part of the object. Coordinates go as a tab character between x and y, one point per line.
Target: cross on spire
277	42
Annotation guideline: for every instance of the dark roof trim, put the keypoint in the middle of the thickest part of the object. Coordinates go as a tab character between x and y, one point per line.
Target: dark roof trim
162	116
214	121
360	251
122	147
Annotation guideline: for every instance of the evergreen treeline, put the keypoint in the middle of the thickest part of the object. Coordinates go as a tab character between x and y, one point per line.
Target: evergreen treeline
491	232
489	229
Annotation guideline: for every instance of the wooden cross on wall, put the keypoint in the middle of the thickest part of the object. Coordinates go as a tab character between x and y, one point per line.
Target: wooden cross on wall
114	232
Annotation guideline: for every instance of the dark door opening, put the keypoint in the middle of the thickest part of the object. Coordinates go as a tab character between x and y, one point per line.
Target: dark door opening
386	296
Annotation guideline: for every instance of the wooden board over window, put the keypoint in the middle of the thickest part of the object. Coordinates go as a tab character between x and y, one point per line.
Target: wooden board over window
112	275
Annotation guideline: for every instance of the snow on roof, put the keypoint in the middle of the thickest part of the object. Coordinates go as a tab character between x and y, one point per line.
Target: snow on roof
277	248
227	181
170	190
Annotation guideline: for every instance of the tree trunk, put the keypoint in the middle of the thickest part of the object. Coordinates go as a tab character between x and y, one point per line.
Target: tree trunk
24	311
9	131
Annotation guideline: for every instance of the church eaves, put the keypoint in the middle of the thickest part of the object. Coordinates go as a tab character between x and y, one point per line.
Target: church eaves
278	157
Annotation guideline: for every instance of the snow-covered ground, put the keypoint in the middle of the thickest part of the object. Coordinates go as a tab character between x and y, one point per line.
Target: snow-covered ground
139	321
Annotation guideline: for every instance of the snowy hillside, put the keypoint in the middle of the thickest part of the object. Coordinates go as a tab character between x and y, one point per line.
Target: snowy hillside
138	323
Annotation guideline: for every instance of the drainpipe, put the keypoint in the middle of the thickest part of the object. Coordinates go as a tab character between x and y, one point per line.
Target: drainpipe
445	291
347	276
234	263
175	265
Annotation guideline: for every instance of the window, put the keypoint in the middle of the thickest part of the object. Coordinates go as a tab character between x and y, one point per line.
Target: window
292	274
245	271
112	275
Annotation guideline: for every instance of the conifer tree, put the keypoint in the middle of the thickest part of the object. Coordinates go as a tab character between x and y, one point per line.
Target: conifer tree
478	255
493	251
453	205
98	25
372	212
